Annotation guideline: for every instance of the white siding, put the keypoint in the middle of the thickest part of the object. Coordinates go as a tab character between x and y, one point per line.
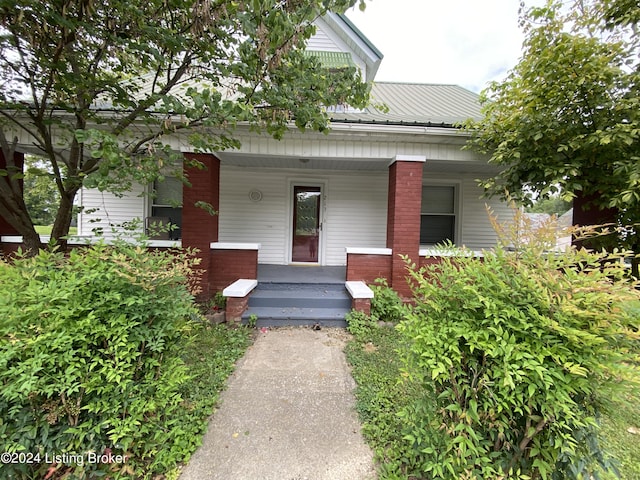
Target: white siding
107	211
354	212
326	40
242	220
323	40
477	232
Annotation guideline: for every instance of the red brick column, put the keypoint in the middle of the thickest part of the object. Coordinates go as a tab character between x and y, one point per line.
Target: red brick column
586	213
18	158
361	305
236	306
403	216
199	227
368	267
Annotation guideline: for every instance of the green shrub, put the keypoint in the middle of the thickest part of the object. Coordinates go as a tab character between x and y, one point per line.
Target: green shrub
89	360
518	349
386	304
360	324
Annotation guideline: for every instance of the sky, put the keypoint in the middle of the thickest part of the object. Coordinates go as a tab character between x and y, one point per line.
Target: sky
462	42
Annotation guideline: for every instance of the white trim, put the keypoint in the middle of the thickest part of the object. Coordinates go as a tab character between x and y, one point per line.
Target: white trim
240	288
368	251
12	239
234	246
165	243
90	240
358	289
458	201
434	252
409	158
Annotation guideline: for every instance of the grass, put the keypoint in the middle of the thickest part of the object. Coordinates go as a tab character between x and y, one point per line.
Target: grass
621	425
46	230
210	354
617	439
382	391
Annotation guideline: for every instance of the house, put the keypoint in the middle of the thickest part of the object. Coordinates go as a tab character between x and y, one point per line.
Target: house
380	185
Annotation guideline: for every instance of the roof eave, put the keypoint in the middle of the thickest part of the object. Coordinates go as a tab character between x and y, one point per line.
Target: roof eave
357	40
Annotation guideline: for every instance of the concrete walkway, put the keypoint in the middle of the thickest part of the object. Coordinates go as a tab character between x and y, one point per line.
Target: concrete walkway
287	414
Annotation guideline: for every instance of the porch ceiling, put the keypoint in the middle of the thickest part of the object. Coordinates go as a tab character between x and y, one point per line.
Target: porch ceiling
353	164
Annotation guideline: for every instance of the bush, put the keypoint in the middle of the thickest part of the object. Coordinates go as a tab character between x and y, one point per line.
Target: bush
518	350
360	324
89	360
386	304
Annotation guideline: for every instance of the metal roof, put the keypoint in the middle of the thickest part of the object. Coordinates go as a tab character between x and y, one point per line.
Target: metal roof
415	104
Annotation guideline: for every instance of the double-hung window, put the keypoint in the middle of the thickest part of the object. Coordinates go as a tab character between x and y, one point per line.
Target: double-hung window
166	207
438	214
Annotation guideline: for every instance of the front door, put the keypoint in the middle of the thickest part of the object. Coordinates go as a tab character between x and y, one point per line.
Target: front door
306	224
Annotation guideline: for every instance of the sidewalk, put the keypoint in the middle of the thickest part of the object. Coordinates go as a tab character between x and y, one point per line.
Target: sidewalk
287	414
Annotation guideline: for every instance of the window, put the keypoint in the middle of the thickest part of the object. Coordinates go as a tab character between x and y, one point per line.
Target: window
438	214
166	208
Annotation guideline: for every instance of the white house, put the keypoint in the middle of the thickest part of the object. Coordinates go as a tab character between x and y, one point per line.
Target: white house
380	184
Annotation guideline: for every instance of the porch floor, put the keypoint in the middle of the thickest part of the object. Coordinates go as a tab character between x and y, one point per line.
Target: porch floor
301	274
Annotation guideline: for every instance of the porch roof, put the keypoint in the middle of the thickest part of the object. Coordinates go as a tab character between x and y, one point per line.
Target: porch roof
415	104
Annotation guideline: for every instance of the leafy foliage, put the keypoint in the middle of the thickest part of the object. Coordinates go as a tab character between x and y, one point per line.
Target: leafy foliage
518	350
566	116
40	193
566	119
90	361
386	304
381	392
360	324
554	205
99	87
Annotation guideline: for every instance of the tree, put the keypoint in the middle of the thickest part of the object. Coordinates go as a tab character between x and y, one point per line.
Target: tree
566	118
96	86
40	193
552	205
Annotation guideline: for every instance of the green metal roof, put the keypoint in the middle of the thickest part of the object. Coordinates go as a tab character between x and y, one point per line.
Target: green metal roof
332	60
415	104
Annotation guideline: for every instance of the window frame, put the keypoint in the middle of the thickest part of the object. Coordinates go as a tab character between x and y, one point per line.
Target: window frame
152	205
457	207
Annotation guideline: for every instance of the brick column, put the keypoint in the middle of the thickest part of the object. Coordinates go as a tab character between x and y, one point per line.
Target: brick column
585	213
199	227
18	158
403	216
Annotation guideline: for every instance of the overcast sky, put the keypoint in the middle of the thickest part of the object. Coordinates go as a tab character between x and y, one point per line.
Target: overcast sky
464	42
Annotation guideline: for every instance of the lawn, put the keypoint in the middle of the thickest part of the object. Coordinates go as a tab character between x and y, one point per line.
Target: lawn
46	230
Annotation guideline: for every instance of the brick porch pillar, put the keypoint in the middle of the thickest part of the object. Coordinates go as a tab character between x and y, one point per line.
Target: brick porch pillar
403	216
586	213
18	158
199	227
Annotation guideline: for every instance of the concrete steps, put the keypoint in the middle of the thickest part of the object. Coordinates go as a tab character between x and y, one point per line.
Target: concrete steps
287	304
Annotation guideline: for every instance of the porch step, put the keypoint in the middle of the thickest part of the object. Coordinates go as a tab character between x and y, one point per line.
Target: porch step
283	304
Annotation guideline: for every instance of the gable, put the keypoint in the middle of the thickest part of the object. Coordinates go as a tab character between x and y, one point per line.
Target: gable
335	33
